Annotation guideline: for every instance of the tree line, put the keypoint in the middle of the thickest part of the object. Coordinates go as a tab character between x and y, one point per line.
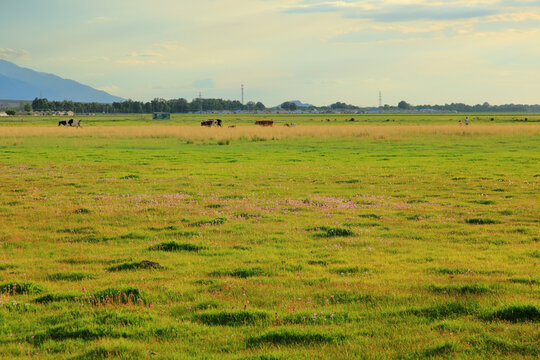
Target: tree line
183	106
139	107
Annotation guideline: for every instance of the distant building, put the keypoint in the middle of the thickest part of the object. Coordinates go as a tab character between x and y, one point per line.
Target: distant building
3	114
161	116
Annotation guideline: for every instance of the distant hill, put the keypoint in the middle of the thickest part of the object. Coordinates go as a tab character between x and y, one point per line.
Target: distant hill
17	83
301	104
298	104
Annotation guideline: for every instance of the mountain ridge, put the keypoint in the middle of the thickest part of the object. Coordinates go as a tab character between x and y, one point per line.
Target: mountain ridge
19	83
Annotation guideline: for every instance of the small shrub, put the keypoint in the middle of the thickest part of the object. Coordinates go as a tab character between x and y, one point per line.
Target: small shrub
517	313
174	246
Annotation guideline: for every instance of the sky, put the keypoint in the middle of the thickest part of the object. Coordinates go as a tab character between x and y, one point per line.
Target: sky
316	51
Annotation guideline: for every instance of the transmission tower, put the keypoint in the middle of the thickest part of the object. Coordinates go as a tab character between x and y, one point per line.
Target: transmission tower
380	99
242	88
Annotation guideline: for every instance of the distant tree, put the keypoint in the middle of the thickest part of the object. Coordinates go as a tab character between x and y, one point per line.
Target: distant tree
27	107
259	106
290	106
11	112
250	105
403	105
342	106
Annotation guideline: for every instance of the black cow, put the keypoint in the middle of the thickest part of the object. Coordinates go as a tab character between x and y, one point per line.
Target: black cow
76	123
63	122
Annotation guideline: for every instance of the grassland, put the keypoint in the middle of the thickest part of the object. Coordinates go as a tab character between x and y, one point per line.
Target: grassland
411	238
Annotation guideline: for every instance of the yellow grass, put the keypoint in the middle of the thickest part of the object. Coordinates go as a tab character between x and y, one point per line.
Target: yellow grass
278	132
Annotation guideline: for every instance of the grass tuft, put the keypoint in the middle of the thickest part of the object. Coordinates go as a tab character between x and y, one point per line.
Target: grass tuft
517	313
328	232
241	272
15	288
145	264
70	276
174	246
294	337
443	310
480	221
468	289
216	221
235	318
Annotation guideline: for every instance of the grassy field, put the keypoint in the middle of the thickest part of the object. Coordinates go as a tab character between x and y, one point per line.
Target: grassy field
412	238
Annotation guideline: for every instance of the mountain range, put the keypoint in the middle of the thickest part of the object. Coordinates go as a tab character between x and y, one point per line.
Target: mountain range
18	83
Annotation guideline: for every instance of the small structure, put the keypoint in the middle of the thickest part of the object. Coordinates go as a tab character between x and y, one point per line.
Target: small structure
161	116
3	114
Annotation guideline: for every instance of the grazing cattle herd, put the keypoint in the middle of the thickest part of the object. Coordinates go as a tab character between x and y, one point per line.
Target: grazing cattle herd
208	123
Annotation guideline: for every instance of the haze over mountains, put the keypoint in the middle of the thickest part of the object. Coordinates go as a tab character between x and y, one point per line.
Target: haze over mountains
17	83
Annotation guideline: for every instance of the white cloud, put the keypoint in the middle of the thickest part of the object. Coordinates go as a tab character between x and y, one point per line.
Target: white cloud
11	54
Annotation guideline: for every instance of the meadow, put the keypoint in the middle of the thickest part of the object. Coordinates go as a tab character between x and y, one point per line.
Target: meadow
386	237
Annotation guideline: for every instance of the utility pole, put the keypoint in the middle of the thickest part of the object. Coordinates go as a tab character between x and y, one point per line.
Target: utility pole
200	102
380	99
242	87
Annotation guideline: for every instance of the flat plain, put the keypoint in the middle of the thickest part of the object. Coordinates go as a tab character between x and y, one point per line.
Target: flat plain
386	237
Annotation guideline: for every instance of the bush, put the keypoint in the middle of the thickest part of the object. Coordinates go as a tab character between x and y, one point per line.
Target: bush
11	112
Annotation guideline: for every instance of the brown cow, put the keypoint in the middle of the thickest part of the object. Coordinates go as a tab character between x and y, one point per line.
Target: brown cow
264	122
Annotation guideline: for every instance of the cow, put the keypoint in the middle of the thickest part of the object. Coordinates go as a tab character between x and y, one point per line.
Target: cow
63	122
211	122
264	122
76	123
290	124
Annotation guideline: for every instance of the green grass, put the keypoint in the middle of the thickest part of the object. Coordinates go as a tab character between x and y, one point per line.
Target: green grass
406	239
